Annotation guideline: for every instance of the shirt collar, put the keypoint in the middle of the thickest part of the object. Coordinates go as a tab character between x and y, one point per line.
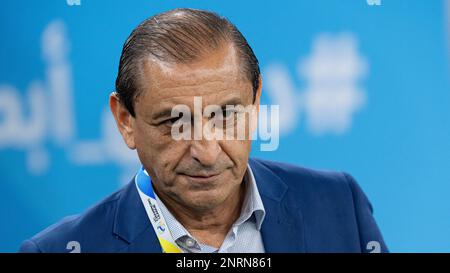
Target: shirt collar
252	205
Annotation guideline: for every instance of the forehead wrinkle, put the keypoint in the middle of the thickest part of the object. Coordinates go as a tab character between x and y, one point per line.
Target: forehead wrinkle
188	99
194	86
197	88
222	64
191	77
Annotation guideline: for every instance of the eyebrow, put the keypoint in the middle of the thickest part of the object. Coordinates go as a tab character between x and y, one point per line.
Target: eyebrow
167	112
232	101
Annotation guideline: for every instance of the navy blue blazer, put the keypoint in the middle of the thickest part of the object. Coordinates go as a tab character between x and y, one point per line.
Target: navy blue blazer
306	211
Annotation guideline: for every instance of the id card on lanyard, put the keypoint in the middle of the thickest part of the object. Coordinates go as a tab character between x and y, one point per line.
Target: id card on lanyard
148	198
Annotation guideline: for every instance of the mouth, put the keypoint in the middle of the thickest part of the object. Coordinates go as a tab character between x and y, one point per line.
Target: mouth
202	178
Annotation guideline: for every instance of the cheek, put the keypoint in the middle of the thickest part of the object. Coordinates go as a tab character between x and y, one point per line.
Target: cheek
158	152
238	151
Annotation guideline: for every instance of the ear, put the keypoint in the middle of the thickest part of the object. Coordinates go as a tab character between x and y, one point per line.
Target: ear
124	120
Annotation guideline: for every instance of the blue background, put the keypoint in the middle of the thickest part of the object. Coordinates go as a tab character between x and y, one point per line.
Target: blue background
397	145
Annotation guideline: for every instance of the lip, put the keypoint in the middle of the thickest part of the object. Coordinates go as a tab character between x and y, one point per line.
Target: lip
202	178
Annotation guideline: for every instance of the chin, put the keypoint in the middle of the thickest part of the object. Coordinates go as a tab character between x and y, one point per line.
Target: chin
204	200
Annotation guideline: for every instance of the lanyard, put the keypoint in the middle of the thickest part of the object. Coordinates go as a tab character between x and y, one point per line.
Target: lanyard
145	189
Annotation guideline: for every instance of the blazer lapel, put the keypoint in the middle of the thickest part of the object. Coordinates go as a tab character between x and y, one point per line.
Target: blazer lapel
282	228
132	225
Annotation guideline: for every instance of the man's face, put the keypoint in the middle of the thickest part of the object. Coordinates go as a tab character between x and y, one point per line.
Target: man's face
199	174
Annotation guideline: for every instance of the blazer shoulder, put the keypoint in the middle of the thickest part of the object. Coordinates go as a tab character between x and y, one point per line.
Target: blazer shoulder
309	187
95	225
298	177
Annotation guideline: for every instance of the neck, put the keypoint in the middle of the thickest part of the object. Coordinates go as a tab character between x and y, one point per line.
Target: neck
209	226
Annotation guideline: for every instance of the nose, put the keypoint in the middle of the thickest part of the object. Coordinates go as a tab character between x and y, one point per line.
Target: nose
206	152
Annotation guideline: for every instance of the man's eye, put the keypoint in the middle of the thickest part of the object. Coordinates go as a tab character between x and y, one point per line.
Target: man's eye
227	119
228	114
171	121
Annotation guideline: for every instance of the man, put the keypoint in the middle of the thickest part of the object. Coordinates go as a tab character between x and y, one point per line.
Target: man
199	194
